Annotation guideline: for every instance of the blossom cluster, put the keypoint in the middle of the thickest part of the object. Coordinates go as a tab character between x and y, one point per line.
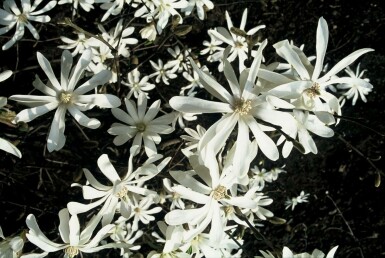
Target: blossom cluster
264	110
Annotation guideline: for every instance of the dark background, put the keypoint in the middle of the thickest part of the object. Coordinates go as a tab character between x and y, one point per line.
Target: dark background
352	215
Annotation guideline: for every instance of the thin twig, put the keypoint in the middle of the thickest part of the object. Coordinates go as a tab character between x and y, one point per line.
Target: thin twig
347	224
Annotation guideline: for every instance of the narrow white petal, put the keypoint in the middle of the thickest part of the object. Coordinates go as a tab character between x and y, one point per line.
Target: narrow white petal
344	63
195	105
265	143
74	228
66	64
82	119
321	45
100	100
46	66
108	169
9	147
98	79
64	228
285	50
56	137
81	65
30	114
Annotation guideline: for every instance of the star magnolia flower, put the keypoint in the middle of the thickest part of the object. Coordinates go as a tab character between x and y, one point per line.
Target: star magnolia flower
242	107
201	5
305	123
141	211
164	9
86	5
141	125
163	72
12	16
10	247
239	45
287	253
6	145
79	45
63	96
75	242
308	91
215	190
119	194
355	90
137	85
301	198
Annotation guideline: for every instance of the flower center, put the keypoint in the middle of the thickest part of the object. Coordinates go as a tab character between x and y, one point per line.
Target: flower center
313	91
242	106
141	127
22	18
175	196
72	251
65	97
229	210
122	193
219	193
238	44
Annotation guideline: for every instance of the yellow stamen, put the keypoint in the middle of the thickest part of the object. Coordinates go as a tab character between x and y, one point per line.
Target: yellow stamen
219	193
22	18
313	91
242	106
122	193
72	251
141	127
65	97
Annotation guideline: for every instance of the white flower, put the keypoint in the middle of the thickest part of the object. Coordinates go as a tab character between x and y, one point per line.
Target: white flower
239	44
4	144
305	122
119	194
176	200
213	48
113	7
141	211
192	139
355	90
287	253
194	82
261	200
12	16
259	178
164	9
174	237
10	247
180	62
63	96
74	241
215	189
79	45
137	85
86	5
124	233
242	106
200	5
140	125
308	91
295	200
117	37
149	32
163	72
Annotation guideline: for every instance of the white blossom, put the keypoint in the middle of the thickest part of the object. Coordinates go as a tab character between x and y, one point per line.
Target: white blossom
140	125
63	96
12	16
